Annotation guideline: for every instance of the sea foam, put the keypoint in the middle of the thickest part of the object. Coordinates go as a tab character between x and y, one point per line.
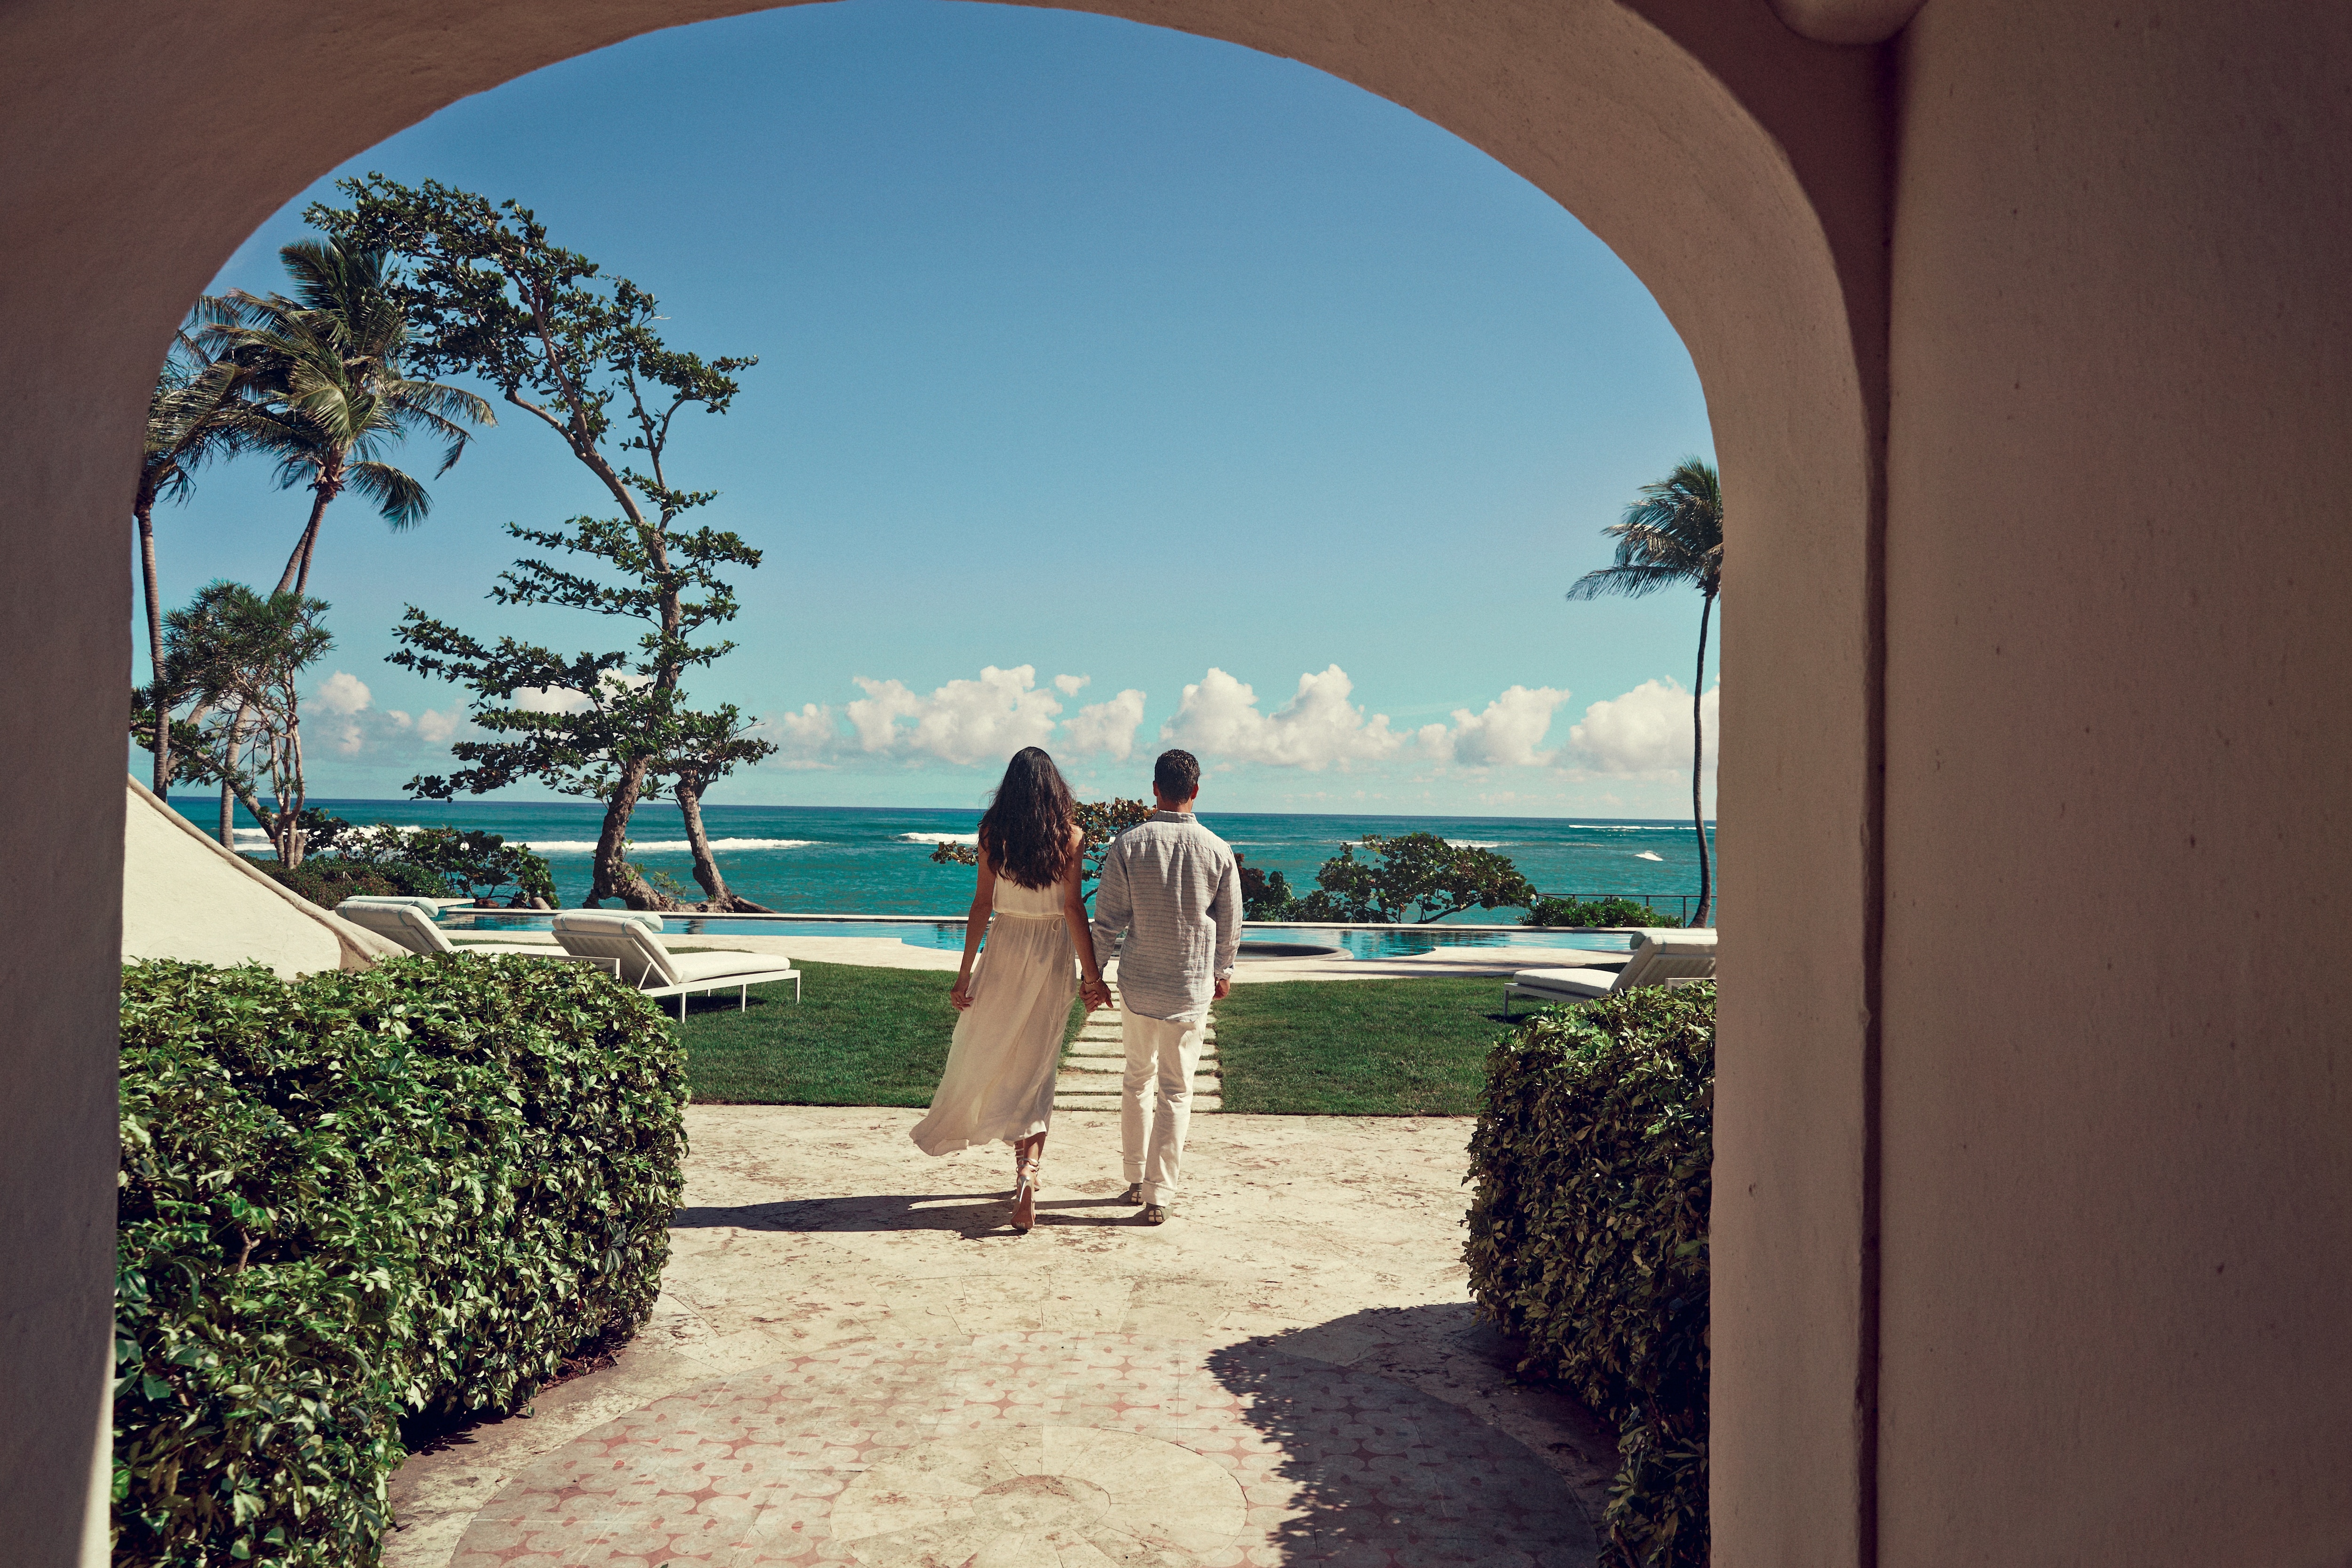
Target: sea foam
665	845
971	839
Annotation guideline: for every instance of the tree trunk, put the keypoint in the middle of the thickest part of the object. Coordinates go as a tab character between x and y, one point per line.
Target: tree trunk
1699	758
614	877
163	747
717	899
227	818
296	574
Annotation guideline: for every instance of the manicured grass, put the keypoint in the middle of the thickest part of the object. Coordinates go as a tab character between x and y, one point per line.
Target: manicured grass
1359	1047
858	1036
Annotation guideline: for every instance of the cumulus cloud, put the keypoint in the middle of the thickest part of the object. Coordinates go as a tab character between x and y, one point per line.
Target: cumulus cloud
1509	733
1318	728
1107	728
343	692
563	699
1067	685
1646	731
357	724
963	721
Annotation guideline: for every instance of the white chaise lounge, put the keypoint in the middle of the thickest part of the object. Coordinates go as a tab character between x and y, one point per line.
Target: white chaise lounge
409	921
631	944
1666	957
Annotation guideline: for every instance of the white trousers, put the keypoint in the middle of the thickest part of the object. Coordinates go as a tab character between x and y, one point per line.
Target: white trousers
1160	1056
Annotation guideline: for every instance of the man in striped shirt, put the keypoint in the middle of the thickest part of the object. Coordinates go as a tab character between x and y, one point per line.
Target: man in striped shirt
1173	889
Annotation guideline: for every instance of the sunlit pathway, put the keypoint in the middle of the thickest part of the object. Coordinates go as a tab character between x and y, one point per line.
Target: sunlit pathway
853	1361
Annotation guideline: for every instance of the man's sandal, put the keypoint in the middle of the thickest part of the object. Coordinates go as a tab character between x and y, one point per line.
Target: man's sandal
1134	1193
1155	1214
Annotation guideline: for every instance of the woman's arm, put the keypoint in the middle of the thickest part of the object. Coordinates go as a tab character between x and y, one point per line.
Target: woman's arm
975	925
1082	936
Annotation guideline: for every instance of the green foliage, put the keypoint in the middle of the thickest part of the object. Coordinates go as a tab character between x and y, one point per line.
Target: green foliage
1589	1238
329	881
1415	875
358	1197
1612	910
478	864
1266	895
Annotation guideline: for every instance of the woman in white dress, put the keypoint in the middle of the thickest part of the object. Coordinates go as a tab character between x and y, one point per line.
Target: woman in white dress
1014	996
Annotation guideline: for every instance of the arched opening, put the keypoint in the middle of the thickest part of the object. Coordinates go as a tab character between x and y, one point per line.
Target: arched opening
1738	170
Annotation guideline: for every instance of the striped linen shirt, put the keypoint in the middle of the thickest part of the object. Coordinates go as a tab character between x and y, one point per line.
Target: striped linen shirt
1174	886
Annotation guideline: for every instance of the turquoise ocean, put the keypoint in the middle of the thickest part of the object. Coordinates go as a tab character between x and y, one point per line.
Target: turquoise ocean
876	860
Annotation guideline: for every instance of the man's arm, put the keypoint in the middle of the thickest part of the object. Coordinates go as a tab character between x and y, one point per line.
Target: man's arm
1225	909
1114	908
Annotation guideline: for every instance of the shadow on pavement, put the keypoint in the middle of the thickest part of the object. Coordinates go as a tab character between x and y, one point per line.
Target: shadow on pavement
1384	1473
963	1213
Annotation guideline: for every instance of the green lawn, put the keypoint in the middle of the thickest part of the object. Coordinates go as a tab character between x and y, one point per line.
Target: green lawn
880	1037
858	1036
1359	1047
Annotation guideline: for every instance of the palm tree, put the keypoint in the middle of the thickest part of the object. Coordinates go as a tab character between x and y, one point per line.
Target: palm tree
1673	534
202	409
328	360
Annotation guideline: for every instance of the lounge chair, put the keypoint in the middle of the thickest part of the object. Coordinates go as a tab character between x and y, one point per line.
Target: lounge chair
1669	957
631	944
409	921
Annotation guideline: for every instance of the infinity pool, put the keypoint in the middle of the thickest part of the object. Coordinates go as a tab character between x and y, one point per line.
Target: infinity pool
1387	941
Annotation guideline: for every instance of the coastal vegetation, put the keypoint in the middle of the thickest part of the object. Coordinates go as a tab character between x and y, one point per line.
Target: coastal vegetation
1672	535
1100	820
361	1202
1588	1243
488	294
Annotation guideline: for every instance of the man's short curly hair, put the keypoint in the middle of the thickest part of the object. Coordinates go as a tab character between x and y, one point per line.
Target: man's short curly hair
1176	775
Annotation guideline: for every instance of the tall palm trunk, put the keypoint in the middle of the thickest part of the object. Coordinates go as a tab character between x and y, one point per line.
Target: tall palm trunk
1699	758
146	515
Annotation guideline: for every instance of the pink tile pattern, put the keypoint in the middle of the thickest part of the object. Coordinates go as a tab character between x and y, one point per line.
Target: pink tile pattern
1037	1449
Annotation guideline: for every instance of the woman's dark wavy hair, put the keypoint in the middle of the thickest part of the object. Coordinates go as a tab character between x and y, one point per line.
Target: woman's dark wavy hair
1026	831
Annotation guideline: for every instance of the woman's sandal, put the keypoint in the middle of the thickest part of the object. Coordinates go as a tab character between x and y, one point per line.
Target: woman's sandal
1024	1196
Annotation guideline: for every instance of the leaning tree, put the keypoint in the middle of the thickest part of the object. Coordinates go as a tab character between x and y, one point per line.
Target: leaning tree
487	293
1671	536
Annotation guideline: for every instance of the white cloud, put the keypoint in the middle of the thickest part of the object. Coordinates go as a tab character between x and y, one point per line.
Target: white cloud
1506	735
964	721
563	699
1108	728
1067	685
1317	727
343	692
1646	731
358	725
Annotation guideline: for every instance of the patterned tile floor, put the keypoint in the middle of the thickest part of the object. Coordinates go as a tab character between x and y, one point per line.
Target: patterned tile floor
1285	1374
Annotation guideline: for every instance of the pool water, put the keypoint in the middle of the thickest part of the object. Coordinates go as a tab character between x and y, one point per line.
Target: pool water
1392	942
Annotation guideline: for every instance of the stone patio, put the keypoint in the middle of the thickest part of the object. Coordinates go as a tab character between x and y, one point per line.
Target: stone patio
855	1361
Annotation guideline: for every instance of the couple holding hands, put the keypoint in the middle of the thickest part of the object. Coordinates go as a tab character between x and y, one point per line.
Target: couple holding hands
1172	888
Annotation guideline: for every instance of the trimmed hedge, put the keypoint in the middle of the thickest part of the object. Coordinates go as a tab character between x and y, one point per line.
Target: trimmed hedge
1613	910
1589	1238
326	882
357	1198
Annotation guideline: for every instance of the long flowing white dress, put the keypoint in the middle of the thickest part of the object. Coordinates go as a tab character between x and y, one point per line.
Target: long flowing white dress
999	1082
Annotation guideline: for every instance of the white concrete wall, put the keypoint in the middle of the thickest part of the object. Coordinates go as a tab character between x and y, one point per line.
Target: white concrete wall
183	896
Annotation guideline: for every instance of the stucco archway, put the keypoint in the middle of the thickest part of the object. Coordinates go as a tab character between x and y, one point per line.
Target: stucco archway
1736	167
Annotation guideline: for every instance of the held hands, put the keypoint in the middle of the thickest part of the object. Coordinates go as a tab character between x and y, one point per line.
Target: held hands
1096	994
961	996
1224	986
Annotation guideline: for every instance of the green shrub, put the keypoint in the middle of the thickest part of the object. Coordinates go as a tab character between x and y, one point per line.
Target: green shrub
1589	1237
1613	910
328	881
357	1198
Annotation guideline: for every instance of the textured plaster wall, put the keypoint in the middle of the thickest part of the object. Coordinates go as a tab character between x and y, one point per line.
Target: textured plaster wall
1740	169
2118	1094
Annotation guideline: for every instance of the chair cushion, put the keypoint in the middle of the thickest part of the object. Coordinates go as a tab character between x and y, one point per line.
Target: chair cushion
694	966
402	922
1565	982
623	938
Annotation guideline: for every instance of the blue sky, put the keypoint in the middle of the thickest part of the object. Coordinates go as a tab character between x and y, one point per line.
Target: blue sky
1088	350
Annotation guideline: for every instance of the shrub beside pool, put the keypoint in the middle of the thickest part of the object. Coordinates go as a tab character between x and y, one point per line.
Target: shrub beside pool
356	1198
